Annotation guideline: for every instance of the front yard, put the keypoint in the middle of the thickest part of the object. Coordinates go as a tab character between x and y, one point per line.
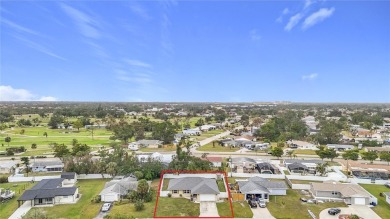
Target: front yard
216	148
8	207
305	152
177	207
290	205
242	210
383	208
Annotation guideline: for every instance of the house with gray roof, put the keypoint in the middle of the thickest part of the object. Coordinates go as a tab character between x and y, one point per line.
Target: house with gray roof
50	192
195	188
145	144
340	147
256	188
6	166
300	166
55	165
115	189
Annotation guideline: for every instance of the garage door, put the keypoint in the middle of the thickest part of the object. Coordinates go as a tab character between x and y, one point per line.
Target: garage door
359	201
109	198
206	198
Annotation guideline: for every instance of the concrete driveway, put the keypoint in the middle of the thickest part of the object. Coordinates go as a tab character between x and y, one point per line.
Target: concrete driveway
208	209
261	213
22	210
360	210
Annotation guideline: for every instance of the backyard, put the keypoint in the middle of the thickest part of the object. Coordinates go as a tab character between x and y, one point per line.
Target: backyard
286	206
383	208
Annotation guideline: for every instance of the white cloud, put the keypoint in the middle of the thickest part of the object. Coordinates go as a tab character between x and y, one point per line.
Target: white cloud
8	93
254	35
286	11
310	76
139	11
86	24
294	20
308	3
137	63
18	27
317	16
39	48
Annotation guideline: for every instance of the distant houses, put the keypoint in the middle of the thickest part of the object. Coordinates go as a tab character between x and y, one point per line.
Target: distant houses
47	166
257	188
340	147
301	145
144	144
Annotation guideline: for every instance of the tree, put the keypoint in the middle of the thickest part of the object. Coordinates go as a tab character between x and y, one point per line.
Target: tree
200	122
164	131
321	168
55	120
277	152
123	131
370	155
245	120
80	150
139	175
74	142
112	168
290	153
78	124
33	146
60	150
45	134
385	156
7	139
329	132
351	155
142	188
26	162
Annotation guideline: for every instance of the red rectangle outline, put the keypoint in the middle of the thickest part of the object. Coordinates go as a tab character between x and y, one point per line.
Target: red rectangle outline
191	172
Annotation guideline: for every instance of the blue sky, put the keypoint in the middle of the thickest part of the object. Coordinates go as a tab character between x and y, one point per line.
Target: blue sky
228	51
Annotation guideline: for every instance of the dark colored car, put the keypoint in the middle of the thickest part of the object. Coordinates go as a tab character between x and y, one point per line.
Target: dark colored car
303	199
252	204
334	211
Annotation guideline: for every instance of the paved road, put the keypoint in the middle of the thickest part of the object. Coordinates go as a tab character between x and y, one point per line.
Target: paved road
360	210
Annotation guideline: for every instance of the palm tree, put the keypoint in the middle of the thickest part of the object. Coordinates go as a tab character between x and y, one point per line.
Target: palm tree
321	168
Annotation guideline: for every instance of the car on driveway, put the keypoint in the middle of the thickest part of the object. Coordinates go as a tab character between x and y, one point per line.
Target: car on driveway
334	211
106	207
303	199
261	203
387	184
252	204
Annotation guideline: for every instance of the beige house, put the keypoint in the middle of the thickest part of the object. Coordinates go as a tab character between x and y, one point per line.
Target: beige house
195	188
351	194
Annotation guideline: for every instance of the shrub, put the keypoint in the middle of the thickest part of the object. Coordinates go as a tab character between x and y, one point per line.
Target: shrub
3	179
354	216
139	205
169	195
96	199
139	175
33	146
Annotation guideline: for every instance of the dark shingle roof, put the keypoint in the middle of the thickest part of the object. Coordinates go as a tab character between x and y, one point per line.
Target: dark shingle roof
48	184
47	188
68	175
297	166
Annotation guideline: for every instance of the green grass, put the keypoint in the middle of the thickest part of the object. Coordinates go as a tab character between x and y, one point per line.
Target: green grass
165	148
7	208
224	209
83	208
127	209
333	163
305	152
286	172
383	208
290	206
217	148
165	184
221	185
242	210
179	207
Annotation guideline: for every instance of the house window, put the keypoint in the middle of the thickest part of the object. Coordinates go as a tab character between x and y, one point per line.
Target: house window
187	191
266	196
174	192
335	193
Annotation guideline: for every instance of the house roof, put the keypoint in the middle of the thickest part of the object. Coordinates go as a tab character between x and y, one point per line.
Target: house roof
302	161
297	166
264	165
47	163
346	190
197	185
47	188
337	146
120	186
242	160
259	185
148	142
68	175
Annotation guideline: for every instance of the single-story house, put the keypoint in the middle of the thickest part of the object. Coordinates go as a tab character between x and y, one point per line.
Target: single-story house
192	132
340	147
378	149
351	194
216	161
114	190
70	178
267	168
145	143
50	192
260	188
47	166
195	188
207	127
302	166
387	196
6	166
164	158
301	145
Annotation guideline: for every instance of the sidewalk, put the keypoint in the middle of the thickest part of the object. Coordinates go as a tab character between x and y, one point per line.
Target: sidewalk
22	210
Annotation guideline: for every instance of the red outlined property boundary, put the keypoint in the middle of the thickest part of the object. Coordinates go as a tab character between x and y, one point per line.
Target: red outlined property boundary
191	172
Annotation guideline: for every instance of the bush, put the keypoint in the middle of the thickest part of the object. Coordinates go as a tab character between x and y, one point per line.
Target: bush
139	205
169	195
139	175
3	179
96	199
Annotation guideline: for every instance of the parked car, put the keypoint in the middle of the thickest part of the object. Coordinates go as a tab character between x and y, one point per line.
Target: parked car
252	204
387	185
261	203
334	211
106	207
303	199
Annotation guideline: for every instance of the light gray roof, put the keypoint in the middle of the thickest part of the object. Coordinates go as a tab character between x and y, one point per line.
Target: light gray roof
148	142
122	186
197	185
47	163
302	161
242	160
256	185
337	146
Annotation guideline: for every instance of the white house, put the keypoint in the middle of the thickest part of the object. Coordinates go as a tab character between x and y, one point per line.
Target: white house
192	132
6	166
216	161
164	158
54	165
144	143
114	190
301	145
387	196
340	147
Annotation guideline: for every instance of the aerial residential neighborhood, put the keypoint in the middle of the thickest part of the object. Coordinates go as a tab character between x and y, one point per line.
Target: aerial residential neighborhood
115	109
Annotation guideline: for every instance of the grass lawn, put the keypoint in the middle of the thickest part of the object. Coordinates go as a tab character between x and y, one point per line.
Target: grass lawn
383	208
127	209
7	208
179	207
165	148
290	206
286	172
224	209
83	208
242	210
165	184
333	163
217	148
221	185
305	151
